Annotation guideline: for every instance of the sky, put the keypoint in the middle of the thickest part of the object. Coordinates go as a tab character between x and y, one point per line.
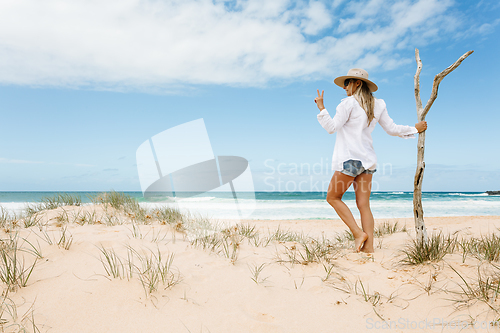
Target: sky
84	83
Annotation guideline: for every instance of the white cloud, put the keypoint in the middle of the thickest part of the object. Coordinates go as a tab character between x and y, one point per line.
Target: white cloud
367	13
317	18
480	30
146	44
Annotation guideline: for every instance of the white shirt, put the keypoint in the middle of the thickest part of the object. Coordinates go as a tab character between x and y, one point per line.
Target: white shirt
354	136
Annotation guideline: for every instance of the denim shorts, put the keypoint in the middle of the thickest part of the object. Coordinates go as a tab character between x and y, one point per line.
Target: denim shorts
354	168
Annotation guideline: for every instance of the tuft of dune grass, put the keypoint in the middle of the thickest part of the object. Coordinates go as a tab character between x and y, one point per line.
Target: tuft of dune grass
388	228
483	287
14	272
155	269
10	321
53	202
421	252
486	247
7	221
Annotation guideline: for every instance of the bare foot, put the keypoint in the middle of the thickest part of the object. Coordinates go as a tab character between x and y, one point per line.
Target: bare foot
359	241
366	249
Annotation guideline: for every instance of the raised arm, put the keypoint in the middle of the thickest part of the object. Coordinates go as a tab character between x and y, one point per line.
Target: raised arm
332	125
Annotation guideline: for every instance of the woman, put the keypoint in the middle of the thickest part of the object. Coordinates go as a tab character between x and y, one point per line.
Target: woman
354	160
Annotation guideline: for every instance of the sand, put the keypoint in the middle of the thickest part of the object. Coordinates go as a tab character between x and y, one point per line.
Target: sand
69	290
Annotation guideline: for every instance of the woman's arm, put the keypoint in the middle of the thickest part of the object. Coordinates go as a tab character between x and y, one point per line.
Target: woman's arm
332	125
402	131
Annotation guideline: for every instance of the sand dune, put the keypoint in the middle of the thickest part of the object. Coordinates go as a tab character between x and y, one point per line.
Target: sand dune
219	290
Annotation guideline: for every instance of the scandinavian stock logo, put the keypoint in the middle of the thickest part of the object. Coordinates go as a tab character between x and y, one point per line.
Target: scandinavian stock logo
179	164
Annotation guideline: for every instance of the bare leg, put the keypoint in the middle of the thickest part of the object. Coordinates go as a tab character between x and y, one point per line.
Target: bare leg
362	188
338	186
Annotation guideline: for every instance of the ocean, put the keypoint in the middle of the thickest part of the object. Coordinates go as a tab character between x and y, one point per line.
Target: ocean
293	205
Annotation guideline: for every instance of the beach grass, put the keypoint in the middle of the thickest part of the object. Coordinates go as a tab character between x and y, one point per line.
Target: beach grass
428	285
14	272
31	220
62	218
388	228
65	239
33	250
155	269
329	270
256	271
117	200
319	250
209	242
360	289
168	215
60	200
136	231
339	281
158	236
345	237
86	217
309	250
7	221
280	235
230	245
484	287
486	247
125	203
420	252
112	263
9	318
250	233
225	242
53	202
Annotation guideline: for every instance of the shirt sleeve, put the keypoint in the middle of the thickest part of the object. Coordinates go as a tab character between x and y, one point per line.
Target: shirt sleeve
403	131
332	125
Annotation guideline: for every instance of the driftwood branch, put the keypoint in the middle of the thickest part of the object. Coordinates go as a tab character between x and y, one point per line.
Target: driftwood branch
417	83
418	211
437	80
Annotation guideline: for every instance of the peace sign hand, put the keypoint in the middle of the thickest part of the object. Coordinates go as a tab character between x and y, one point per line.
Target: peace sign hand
319	100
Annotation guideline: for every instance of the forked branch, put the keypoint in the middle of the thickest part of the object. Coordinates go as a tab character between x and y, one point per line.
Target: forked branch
421	113
437	80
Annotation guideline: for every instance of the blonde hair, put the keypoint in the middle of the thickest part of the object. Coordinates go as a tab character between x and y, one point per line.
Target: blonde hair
366	100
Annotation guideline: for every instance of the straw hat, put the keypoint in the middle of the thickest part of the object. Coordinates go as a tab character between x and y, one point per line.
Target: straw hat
356	73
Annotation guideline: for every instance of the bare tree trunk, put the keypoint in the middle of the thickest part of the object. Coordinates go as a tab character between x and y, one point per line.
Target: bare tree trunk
418	211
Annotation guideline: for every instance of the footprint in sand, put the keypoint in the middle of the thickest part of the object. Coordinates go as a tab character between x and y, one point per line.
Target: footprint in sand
264	317
259	316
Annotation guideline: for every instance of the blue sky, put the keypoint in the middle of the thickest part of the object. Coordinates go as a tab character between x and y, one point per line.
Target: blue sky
84	83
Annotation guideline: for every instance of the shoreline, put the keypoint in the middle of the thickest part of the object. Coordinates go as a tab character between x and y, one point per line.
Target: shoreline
300	206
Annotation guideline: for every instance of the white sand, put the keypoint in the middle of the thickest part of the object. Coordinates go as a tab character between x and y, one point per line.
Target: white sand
69	290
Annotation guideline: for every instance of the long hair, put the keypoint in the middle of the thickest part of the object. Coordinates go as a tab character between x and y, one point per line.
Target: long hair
366	100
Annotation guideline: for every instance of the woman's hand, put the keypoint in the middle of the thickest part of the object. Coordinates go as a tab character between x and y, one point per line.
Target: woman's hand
421	126
319	100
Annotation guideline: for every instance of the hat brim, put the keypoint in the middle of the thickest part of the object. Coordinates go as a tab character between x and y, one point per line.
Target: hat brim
340	82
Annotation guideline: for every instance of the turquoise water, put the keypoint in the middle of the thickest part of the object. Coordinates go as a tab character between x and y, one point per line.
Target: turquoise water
296	205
